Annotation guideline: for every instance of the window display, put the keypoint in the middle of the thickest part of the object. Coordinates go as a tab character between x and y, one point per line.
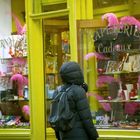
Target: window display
116	51
14	96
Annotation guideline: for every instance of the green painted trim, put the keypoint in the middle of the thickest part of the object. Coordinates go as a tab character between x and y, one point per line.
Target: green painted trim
53	14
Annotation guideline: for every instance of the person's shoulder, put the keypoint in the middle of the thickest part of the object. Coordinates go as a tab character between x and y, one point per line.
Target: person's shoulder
77	87
78	90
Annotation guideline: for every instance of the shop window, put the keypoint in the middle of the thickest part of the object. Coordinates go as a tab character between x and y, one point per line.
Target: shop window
14	95
110	58
56	52
107	3
54	7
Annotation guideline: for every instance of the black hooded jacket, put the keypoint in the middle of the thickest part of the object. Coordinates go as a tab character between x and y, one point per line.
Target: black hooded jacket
71	74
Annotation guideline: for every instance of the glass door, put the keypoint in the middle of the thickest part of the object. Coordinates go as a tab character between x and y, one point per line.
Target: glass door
56	52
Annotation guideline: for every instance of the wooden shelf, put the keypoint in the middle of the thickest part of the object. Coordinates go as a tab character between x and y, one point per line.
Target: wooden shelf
118	101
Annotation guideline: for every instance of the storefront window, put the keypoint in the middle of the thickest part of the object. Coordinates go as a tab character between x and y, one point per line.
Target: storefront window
54	7
41	6
14	94
56	52
112	56
107	3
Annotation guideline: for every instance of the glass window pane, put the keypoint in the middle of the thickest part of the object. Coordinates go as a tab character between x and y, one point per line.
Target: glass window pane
14	93
53	7
107	3
56	52
107	57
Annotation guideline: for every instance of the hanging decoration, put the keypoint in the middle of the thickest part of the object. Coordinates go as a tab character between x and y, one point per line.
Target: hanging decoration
20	29
111	18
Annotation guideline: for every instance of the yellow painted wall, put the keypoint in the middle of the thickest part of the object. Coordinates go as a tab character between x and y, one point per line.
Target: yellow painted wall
17	6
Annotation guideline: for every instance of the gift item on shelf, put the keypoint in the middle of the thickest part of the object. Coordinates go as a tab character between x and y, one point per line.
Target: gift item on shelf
19	81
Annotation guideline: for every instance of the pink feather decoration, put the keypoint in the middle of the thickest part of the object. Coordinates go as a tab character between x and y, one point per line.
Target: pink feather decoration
21	80
105	80
20	29
96	55
23	31
26	109
26	112
105	106
111	18
129	20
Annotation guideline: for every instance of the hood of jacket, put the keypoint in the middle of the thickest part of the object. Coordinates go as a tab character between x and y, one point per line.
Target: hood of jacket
71	73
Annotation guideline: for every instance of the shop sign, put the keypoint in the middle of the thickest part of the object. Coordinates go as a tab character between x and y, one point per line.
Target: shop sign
9	45
117	39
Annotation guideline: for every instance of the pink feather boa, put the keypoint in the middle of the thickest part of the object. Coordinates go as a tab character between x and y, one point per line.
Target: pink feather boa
111	18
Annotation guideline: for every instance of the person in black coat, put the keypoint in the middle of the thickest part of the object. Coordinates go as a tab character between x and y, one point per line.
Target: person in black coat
83	129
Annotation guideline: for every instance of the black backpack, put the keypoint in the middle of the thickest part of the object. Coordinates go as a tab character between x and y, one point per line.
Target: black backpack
61	117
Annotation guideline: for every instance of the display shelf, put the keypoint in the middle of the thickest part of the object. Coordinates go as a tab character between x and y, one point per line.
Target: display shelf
118	73
9	58
119	101
15	100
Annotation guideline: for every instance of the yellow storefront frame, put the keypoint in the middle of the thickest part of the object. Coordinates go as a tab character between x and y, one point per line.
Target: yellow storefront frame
76	10
36	68
35	41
